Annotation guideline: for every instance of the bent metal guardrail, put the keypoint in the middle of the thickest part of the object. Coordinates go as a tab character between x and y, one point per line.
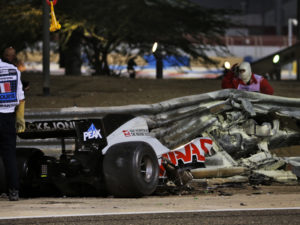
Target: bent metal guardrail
179	105
178	120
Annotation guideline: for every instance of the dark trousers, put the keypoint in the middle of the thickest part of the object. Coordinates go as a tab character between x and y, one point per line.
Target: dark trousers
8	148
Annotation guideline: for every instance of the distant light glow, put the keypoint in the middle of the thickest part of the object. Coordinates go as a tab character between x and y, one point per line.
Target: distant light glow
154	47
276	58
227	65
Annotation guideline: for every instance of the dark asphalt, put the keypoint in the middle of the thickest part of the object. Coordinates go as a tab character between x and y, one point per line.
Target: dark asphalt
265	217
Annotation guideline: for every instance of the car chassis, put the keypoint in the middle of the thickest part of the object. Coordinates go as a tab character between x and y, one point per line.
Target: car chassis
113	155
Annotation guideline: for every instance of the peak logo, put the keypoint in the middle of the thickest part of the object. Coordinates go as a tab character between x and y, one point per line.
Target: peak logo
92	133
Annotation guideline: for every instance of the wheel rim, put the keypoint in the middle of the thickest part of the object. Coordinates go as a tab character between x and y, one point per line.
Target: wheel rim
146	168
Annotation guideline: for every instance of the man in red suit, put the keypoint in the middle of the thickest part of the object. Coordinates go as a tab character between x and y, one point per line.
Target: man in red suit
241	78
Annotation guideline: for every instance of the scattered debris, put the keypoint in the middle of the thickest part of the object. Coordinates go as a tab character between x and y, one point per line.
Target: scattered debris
223	193
245	128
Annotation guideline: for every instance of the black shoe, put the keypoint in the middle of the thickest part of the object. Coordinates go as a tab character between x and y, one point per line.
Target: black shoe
13	195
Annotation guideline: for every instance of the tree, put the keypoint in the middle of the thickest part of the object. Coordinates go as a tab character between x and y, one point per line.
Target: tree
20	24
180	26
100	27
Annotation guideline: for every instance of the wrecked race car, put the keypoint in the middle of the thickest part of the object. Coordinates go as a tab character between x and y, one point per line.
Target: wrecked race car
128	151
113	155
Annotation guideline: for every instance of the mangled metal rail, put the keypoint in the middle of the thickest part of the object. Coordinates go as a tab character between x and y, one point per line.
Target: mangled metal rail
244	126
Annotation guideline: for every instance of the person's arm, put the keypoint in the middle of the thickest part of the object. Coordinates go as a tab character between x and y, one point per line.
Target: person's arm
265	87
227	81
20	121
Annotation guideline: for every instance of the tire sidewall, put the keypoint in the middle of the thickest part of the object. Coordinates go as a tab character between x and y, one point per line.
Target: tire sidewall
121	169
142	185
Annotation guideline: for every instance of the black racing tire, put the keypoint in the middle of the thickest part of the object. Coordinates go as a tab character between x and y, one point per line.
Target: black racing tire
131	170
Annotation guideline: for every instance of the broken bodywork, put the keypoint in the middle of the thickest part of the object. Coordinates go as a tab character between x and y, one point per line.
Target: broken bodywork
246	128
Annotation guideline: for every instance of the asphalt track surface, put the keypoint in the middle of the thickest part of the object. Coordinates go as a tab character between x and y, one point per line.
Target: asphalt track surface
261	205
290	216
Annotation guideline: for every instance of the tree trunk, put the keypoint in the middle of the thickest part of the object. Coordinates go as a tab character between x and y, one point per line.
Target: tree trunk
105	67
97	62
101	65
72	55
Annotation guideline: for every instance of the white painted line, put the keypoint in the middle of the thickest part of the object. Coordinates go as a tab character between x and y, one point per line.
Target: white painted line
151	212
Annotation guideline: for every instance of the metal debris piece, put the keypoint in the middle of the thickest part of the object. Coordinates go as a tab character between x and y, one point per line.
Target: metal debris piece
220	181
294	165
217	172
279	175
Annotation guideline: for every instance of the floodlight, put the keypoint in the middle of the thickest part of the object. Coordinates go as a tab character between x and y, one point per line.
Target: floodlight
276	58
154	47
227	65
